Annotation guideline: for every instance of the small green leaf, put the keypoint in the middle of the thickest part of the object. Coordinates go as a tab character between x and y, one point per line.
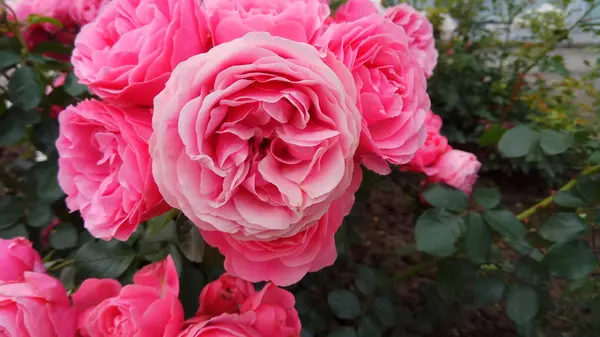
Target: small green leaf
554	142
344	331
190	242
24	88
9	58
158	224
505	223
11	210
103	259
487	197
45	178
478	239
446	197
449	279
518	141
562	227
594	158
64	236
384	311
491	135
368	328
568	199
522	303
39	215
14	231
344	304
530	270
588	189
571	260
38	19
487	291
365	280
437	231
12	130
73	87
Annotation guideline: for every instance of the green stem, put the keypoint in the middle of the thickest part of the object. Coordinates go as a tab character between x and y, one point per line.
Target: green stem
60	265
546	202
416	269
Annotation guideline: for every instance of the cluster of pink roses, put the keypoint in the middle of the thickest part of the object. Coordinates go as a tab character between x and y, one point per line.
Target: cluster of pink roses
36	304
440	162
250	116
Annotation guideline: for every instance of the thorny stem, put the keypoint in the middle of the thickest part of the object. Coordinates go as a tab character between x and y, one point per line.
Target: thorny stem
60	265
546	202
416	269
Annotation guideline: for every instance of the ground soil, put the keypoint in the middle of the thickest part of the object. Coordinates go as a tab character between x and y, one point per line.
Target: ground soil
391	208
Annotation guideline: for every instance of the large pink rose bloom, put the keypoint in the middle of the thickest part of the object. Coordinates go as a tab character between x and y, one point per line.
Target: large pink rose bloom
420	34
284	261
256	137
297	20
435	146
226	325
37	305
458	169
393	99
143	309
16	257
84	11
356	9
104	167
127	53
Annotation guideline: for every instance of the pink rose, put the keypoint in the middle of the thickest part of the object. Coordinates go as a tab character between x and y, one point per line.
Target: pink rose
58	81
393	99
104	167
37	305
355	9
274	311
225	325
224	295
146	309
84	11
256	137
297	20
16	257
435	146
128	52
285	261
420	34
38	33
458	169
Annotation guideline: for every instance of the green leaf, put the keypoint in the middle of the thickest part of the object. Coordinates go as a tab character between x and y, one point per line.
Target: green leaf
343	304
368	328
487	291
12	130
562	227
14	231
530	270
103	259
365	280
491	135
518	141
39	215
190	242
34	18
64	236
384	311
52	47
522	303
554	142
505	223
24	88
487	197
191	283
9	58
571	260
45	178
437	231
595	158
446	197
588	188
156	229
11	210
595	309
478	239
344	331
568	199
73	87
